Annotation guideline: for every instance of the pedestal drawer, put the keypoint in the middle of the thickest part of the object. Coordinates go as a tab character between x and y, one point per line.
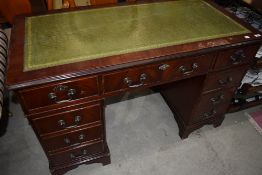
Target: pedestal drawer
77	153
57	93
224	79
52	143
64	121
212	105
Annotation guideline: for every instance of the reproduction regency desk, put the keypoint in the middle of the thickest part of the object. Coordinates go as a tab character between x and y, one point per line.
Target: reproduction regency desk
62	66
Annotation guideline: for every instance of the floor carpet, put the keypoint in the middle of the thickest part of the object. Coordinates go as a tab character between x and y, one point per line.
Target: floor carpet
255	119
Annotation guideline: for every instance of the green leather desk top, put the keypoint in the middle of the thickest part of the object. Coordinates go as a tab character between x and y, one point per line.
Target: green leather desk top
69	37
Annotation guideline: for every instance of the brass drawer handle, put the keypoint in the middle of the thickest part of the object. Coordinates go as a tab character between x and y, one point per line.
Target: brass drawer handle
68	141
77	121
225	82
185	71
209	114
163	67
237	57
129	82
217	100
73	156
70	94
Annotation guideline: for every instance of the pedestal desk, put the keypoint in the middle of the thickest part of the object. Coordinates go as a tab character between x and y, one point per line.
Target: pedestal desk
64	64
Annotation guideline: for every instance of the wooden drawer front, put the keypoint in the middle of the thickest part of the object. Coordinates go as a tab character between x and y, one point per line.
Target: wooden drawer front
187	67
131	78
223	79
212	105
235	57
74	138
59	93
67	120
166	71
77	153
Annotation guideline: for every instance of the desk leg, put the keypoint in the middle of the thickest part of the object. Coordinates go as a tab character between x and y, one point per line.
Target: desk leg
181	97
218	121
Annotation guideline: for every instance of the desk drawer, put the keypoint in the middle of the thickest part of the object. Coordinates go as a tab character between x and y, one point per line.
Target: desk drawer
234	57
156	73
57	93
187	67
224	79
212	105
65	121
76	153
74	138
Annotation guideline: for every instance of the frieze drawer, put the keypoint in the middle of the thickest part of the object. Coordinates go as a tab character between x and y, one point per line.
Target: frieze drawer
224	79
67	120
156	73
235	57
57	93
53	143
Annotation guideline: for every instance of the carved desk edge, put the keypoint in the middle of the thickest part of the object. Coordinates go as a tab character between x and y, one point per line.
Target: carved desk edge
17	78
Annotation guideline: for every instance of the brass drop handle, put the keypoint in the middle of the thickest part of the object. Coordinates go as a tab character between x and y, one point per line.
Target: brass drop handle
68	141
73	156
77	121
185	71
70	93
129	82
225	82
209	114
217	100
237	57
163	67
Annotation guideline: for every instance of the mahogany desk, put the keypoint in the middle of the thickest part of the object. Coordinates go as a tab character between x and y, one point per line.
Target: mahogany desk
193	52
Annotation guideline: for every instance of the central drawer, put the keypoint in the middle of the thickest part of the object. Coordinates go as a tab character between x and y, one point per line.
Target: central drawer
156	73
